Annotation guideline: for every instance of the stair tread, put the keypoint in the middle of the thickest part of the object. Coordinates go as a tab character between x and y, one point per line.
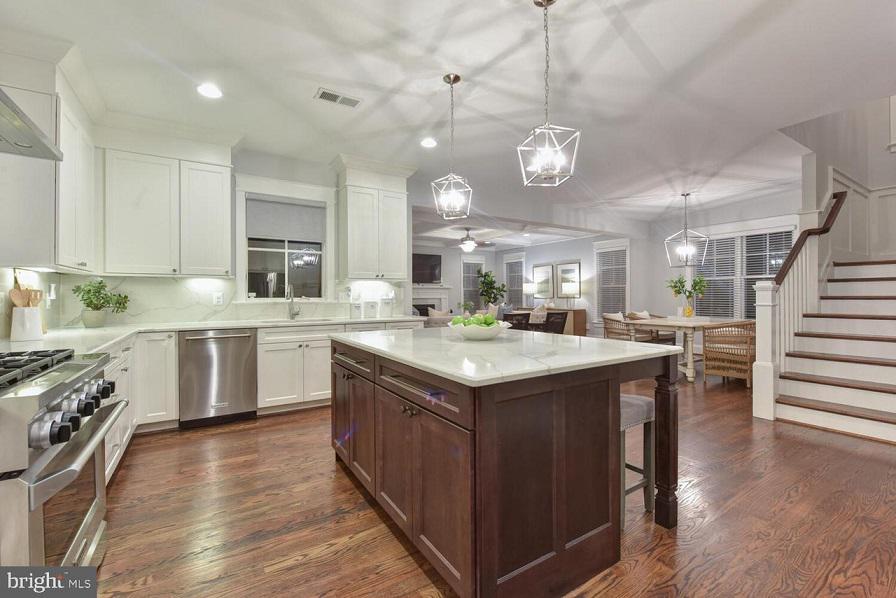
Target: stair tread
848	337
849	316
839	409
860	297
865	263
841	382
842	358
865	279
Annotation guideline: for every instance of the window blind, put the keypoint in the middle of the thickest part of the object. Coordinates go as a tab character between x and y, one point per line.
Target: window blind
763	256
513	276
471	283
720	270
612	279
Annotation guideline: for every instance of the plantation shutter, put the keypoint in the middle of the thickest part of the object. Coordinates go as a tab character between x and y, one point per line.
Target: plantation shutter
513	275
720	270
612	280
471	283
763	256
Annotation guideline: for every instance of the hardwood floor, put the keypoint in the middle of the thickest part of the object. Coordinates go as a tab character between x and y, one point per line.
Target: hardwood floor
263	508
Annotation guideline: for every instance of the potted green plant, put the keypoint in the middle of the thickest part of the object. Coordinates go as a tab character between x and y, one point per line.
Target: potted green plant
489	289
679	287
98	301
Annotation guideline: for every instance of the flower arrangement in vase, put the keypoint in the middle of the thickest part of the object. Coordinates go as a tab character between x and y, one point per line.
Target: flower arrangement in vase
679	287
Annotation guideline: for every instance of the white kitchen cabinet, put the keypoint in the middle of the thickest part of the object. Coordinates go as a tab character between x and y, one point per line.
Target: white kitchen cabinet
280	374
119	436
28	191
316	357
76	200
205	230
365	327
404	325
142	214
154	377
373	234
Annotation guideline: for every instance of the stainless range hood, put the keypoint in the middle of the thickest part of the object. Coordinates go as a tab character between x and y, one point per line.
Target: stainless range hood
20	136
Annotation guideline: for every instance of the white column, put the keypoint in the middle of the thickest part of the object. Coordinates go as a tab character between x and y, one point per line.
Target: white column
765	369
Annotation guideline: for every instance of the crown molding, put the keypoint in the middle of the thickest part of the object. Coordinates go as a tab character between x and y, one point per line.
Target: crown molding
347	161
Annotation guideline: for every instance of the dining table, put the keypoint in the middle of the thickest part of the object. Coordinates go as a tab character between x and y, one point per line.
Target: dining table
688	327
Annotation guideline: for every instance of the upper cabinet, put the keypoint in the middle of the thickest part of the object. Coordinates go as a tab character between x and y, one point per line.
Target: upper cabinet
166	216
372	219
142	207
76	214
205	223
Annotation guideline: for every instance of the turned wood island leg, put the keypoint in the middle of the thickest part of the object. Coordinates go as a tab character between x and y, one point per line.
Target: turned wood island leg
666	454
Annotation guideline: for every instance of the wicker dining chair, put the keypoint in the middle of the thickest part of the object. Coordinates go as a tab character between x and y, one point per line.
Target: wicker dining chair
518	321
625	331
554	322
729	350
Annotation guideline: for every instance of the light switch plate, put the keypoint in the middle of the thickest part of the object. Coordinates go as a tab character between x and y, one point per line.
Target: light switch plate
218	298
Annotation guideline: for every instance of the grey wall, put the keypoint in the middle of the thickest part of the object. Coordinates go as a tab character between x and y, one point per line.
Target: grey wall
282	167
451	269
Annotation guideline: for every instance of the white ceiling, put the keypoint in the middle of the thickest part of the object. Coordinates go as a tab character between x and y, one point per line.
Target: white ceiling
670	95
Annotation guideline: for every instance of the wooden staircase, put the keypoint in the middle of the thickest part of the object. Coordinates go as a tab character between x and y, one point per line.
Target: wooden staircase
841	372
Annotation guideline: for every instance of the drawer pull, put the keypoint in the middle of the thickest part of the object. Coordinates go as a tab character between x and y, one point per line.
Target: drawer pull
434	395
346	359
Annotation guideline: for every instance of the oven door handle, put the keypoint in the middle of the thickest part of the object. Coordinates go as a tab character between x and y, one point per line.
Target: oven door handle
45	480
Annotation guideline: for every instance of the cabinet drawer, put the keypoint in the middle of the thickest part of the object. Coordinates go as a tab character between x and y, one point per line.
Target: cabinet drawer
404	325
443	397
364	327
295	333
356	360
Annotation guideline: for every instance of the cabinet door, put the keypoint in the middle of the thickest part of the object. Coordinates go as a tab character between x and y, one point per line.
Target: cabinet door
394	458
443	468
363	440
316	355
70	189
363	238
392	222
341	421
155	377
280	368
142	221
86	219
205	230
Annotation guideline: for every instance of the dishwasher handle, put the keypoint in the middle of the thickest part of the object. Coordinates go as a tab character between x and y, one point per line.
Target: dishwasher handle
212	338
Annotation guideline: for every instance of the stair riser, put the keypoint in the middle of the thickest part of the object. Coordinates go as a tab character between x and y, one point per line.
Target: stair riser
840	369
835	394
864	271
858	306
845	326
845	347
887	287
833	421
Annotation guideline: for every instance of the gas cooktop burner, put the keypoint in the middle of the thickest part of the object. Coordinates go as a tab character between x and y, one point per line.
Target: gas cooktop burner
18	366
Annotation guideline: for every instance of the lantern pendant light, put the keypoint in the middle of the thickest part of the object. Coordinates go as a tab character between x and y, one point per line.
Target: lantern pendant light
686	247
548	155
452	194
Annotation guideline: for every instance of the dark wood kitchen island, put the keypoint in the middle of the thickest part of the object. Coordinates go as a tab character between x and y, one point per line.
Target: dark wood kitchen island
500	459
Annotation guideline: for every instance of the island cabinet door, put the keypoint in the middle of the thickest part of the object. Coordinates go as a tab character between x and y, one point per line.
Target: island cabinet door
339	404
361	429
394	458
443	497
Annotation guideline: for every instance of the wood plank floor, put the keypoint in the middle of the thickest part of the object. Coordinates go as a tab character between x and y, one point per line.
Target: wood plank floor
262	509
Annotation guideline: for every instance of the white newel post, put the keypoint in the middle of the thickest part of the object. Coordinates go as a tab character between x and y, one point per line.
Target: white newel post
765	369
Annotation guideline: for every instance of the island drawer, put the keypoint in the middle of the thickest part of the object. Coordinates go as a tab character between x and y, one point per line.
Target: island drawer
359	361
445	398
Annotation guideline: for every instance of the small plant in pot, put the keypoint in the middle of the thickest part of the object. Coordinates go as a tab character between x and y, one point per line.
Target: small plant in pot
98	301
489	289
679	287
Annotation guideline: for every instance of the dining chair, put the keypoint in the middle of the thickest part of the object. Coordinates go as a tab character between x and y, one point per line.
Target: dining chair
729	351
625	331
518	321
635	411
554	323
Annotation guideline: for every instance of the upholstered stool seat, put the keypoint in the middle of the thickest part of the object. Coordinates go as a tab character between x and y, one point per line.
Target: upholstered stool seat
634	411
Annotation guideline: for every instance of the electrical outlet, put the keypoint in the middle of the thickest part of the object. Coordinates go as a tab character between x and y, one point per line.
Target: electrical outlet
218	298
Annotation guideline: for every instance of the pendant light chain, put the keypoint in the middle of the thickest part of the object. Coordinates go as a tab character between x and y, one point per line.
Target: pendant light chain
547	63
451	151
685	195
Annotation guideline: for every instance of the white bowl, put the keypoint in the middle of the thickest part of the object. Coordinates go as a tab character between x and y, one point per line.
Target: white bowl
480	333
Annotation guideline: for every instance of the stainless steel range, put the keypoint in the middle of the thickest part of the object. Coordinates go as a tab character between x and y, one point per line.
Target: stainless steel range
55	411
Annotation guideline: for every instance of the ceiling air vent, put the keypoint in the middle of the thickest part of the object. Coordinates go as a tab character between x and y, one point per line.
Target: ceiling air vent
336	98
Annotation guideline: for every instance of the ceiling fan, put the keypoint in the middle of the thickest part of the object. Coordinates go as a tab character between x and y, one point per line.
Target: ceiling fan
468	243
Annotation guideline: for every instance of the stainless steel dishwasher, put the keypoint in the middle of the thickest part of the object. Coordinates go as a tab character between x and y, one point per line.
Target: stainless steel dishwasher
218	375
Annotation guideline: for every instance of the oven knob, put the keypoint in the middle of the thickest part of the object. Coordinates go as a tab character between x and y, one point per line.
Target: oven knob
72	419
78	405
104	387
60	432
107	389
95	399
45	433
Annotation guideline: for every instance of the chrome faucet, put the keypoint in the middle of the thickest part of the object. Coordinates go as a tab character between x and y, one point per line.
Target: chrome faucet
295	310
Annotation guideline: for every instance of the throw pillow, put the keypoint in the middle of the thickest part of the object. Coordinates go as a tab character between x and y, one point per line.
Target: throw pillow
434	313
539	315
617	317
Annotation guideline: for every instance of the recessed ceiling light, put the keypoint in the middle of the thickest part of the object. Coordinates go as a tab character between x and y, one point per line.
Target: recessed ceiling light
429	142
209	90
525	234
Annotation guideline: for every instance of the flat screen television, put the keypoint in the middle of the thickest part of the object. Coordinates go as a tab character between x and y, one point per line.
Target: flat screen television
427	269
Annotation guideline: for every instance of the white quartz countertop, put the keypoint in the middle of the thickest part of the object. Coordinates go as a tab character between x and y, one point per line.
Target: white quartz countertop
515	355
92	340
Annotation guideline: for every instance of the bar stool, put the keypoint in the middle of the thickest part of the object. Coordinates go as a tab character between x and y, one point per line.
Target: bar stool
635	411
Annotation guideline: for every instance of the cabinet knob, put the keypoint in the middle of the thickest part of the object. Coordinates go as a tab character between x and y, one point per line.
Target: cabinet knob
174	269
226	271
124	369
82	264
349	376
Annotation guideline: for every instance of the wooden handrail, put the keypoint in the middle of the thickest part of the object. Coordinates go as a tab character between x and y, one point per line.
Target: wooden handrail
839	199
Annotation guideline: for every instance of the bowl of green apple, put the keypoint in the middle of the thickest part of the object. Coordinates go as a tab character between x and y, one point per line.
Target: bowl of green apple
479	327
